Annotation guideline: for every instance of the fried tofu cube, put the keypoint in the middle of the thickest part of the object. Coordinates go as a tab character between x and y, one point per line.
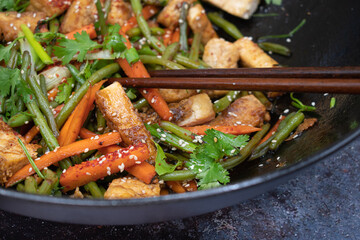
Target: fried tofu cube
239	8
252	56
122	117
176	95
50	8
79	14
195	110
11	22
123	188
120	12
199	23
246	110
219	53
12	156
169	16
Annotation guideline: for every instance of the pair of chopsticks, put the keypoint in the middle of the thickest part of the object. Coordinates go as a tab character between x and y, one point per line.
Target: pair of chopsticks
287	79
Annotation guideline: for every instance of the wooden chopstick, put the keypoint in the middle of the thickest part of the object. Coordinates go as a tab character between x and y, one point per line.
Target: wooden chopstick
277	72
316	80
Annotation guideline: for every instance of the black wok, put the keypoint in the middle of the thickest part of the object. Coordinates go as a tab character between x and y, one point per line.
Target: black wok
330	37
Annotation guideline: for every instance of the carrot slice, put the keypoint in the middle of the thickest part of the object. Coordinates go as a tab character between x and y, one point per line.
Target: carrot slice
176	186
272	130
61	153
236	130
144	171
76	120
52	94
167	37
89	171
89	29
176	36
191	186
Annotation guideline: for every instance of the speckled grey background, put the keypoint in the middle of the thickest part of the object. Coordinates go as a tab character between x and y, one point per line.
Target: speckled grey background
322	203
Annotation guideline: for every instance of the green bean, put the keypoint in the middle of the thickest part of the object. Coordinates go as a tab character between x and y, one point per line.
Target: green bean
224	102
140	103
39	66
247	150
94	190
145	50
100	120
281	135
75	99
176	157
179	175
156	31
43	104
54	25
183	27
102	189
107	8
86	155
101	18
13	56
170	51
43	85
155	2
187	62
76	159
263	99
75	73
45	187
30	185
146	59
19	119
20	105
227	26
178	131
45	58
275	48
261	152
194	50
20	187
171	139
157	44
2	104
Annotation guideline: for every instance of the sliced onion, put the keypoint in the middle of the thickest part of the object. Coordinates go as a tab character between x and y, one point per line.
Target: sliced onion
55	75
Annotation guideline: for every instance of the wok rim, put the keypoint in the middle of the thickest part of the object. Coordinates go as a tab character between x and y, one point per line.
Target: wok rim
232	187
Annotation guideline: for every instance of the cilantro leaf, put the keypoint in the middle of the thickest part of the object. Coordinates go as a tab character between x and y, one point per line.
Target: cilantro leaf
5	52
13	88
65	90
47	37
205	159
114	42
7	5
161	166
68	48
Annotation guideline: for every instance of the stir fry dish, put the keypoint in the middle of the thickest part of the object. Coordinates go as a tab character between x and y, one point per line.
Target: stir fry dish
66	130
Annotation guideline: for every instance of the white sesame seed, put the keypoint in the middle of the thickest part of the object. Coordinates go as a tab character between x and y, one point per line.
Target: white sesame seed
261	165
30	169
163	135
137	162
113	114
121	167
273	141
158	130
286	111
313	104
288	40
64	171
86	150
162	139
325	94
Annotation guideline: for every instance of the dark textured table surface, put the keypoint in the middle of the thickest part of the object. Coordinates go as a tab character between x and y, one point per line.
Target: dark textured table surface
323	202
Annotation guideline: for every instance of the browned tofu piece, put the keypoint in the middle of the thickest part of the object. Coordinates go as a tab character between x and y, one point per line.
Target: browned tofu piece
194	111
12	156
199	23
49	7
131	188
79	14
11	21
246	110
176	95
120	11
219	53
122	117
239	8
169	16
252	56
